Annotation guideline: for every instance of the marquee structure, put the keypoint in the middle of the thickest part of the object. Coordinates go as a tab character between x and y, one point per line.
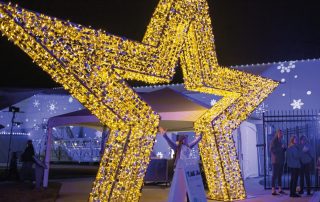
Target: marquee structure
93	66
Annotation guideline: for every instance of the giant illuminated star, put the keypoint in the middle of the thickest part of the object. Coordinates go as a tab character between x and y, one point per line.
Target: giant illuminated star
92	65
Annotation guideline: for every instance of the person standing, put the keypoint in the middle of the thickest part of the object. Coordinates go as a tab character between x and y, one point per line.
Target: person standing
27	162
13	168
318	170
293	162
277	149
182	149
306	163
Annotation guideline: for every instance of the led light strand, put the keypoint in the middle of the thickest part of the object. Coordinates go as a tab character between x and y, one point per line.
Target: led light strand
92	64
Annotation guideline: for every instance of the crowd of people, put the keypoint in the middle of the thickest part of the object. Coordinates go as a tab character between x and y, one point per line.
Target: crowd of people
299	157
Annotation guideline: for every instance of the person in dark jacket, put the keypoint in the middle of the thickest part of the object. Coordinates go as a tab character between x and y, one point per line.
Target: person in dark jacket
306	163
277	149
27	162
13	168
293	162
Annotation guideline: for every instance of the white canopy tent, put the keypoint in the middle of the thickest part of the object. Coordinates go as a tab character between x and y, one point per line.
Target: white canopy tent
178	113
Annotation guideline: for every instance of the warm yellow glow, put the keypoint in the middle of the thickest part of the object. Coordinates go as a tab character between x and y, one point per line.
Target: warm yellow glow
92	64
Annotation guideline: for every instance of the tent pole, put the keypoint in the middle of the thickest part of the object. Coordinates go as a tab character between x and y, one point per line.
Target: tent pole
47	157
104	138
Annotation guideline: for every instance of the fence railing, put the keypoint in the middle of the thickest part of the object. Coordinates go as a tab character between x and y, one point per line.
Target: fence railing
299	122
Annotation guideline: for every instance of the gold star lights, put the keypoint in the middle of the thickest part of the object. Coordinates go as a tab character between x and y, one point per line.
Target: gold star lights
92	65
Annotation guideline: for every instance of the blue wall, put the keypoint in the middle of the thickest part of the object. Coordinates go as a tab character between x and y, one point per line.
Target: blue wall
300	80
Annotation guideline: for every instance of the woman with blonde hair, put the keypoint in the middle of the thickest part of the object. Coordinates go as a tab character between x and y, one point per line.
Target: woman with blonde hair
293	162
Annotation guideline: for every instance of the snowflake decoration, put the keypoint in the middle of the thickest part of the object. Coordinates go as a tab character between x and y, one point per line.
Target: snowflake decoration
52	107
262	109
70	99
27	120
297	104
283	94
288	68
36	127
309	92
213	102
36	103
160	155
98	134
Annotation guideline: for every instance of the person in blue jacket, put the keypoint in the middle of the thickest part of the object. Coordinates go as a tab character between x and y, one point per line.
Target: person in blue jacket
306	159
293	162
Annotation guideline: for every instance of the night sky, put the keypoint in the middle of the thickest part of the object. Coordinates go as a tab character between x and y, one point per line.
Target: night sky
246	31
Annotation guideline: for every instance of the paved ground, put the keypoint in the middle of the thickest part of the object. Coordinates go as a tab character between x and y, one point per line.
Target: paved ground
77	190
13	191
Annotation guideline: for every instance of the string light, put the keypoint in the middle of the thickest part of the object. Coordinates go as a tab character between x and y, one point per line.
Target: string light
92	64
14	133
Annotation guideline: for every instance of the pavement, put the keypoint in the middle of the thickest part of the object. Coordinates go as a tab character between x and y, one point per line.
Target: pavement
77	190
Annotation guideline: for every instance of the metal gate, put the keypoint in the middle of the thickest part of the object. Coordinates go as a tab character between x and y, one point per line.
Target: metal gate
291	123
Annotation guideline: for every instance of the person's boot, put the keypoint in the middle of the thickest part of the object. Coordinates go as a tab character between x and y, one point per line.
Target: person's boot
309	192
274	193
296	195
282	192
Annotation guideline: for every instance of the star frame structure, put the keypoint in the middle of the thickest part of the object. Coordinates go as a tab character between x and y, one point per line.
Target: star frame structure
93	66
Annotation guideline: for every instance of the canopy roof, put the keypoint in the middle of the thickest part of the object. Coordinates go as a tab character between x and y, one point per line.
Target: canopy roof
11	96
178	112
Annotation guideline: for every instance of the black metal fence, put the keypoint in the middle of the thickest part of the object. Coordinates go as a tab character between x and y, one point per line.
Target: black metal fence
291	123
